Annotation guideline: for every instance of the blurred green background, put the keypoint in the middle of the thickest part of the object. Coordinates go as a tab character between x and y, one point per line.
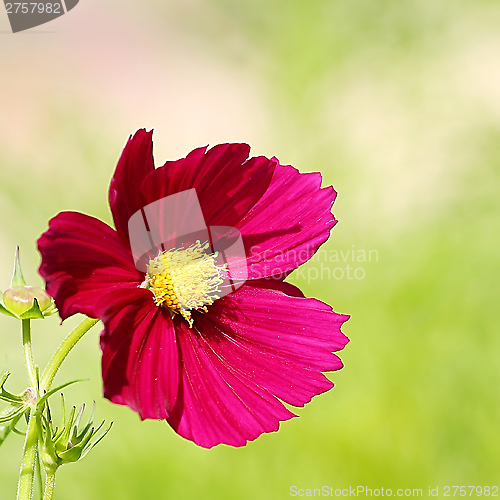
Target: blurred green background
397	103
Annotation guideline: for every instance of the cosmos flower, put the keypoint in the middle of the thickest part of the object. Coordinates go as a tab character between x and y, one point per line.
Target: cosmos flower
216	365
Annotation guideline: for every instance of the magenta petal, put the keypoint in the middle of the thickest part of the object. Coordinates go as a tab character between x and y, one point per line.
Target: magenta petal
140	366
82	258
135	163
253	347
214	405
226	183
286	227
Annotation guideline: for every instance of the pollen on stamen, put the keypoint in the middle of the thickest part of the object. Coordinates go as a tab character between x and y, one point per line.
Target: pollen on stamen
185	279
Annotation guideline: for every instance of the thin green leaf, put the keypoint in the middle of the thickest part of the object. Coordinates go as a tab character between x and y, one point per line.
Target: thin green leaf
78	418
10	398
45	424
89	423
16	431
79	415
99	439
86	439
62	443
13	414
49	419
6	395
57	389
6	429
57	432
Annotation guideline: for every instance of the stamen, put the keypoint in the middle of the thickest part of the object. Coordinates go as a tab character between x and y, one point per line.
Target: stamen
185	279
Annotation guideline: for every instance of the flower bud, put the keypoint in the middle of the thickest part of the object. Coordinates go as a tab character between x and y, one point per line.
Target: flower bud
70	442
20	299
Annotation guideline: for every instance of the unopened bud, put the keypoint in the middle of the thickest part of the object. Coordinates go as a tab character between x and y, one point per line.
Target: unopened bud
22	298
70	442
29	396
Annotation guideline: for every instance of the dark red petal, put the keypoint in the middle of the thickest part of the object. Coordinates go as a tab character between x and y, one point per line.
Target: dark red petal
286	227
140	358
134	164
227	185
82	259
253	347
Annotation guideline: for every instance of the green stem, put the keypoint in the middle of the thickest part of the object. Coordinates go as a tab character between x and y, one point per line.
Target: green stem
50	482
39	474
63	350
27	476
28	354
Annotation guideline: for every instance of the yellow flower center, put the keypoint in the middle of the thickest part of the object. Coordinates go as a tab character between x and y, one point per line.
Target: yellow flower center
185	279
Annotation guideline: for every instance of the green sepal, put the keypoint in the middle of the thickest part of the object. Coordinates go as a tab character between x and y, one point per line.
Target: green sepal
47	449
33	313
66	444
61	444
51	310
84	446
3	309
63	419
72	455
17	277
75	452
78	437
98	440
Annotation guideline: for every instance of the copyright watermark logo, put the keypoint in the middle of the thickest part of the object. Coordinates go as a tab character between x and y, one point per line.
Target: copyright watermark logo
26	15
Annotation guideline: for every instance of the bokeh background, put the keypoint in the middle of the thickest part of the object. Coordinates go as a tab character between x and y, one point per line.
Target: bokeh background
397	103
